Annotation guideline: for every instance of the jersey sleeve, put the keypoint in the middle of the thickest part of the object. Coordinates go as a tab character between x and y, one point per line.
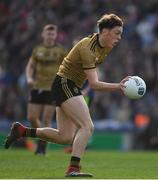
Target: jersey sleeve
87	58
34	54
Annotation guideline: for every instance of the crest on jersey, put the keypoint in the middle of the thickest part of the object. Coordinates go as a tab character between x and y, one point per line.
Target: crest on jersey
40	54
75	90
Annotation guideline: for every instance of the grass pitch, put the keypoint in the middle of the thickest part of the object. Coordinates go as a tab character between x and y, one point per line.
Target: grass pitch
20	163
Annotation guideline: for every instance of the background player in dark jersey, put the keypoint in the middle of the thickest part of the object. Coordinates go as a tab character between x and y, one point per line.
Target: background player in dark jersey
40	72
73	118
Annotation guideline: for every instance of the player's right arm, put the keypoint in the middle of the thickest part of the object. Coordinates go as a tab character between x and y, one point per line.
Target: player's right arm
30	69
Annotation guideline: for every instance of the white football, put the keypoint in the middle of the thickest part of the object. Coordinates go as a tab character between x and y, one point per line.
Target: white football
135	87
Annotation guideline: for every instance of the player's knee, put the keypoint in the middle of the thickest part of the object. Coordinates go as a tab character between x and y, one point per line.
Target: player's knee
66	138
89	129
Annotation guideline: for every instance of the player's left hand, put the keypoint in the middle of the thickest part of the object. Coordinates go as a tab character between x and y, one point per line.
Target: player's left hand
122	83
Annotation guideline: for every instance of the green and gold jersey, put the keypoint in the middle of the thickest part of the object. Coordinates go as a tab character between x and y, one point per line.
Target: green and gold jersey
86	54
48	60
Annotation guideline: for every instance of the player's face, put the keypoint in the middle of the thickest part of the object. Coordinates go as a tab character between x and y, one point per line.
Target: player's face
49	36
112	37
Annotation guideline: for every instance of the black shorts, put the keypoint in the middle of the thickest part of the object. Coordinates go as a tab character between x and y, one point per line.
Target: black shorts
38	96
63	89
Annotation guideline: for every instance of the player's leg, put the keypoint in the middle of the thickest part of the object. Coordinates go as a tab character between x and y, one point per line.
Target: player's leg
88	99
77	109
63	135
66	126
47	115
33	114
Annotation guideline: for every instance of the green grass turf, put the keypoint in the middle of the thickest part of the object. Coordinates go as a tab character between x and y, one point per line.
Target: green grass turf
19	163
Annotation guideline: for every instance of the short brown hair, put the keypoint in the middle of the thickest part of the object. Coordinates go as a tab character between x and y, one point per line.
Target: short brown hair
50	27
109	21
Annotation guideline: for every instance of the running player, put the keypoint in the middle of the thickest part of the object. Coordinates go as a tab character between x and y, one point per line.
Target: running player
74	122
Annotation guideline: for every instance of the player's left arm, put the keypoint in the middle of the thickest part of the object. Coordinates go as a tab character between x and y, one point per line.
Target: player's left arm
95	84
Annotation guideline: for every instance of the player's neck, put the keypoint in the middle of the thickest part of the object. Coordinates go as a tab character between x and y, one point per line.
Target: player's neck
49	44
101	42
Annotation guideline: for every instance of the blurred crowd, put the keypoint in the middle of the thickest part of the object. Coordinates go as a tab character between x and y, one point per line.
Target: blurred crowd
137	54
